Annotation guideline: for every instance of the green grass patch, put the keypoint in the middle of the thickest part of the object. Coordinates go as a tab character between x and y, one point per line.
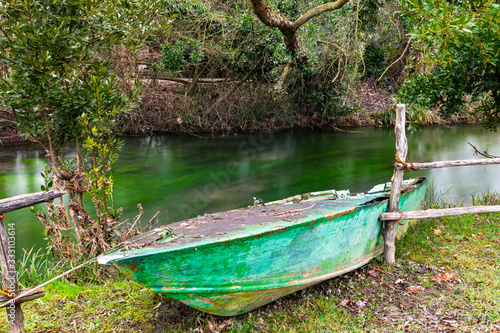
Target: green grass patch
116	306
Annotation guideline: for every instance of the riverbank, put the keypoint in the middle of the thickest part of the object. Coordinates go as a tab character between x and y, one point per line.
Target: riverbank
164	109
447	279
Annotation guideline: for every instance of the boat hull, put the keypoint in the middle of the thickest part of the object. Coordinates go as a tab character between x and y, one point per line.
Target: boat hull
235	275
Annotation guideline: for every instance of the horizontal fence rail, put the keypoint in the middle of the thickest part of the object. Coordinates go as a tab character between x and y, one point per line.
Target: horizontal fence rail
432	213
27	200
447	164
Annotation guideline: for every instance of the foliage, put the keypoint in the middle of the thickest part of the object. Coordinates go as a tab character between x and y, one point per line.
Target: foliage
61	90
226	40
183	52
106	102
461	56
47	47
487	198
374	61
34	268
434	198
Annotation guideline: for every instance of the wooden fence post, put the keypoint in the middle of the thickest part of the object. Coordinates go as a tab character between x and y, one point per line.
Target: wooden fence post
15	315
389	229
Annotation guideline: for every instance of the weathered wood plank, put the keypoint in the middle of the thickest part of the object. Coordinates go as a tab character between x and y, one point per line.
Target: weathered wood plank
389	231
432	213
447	164
33	290
27	200
5	265
40	292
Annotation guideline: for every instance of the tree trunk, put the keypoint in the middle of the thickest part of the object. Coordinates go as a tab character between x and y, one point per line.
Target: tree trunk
274	19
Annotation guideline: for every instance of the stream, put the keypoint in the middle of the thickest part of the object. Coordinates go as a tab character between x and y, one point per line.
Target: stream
184	176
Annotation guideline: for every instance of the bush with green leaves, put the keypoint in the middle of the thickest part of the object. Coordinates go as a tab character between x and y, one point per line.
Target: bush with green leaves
179	54
460	46
61	90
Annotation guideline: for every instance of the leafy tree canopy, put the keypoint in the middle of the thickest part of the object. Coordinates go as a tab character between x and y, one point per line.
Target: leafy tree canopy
60	83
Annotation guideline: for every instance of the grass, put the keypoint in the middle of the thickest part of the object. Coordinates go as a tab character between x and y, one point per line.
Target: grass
447	279
117	306
33	268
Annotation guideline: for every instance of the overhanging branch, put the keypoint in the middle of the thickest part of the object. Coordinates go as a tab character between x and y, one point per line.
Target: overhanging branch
327	7
274	19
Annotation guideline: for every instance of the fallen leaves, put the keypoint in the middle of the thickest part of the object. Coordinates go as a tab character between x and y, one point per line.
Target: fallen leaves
354	306
345	302
445	277
425	269
361	304
214	327
415	289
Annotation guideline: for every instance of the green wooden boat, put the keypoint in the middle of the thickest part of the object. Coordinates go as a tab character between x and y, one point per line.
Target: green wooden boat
232	262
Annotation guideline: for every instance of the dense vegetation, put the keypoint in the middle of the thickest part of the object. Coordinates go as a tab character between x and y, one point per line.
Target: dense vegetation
458	43
83	72
227	66
240	73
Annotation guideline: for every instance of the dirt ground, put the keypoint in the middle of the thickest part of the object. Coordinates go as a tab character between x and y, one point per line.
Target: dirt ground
408	297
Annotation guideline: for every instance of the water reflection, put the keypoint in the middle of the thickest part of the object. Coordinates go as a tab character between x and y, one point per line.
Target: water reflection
183	176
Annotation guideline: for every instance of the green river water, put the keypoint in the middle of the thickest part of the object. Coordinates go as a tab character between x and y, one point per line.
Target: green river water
183	176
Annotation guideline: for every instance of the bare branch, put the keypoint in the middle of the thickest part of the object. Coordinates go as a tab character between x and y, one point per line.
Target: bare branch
485	153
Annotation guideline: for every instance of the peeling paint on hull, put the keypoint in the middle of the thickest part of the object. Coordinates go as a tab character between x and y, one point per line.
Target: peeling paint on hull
233	262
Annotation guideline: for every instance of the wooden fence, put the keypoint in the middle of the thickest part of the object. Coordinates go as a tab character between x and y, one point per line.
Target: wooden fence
393	214
11	296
